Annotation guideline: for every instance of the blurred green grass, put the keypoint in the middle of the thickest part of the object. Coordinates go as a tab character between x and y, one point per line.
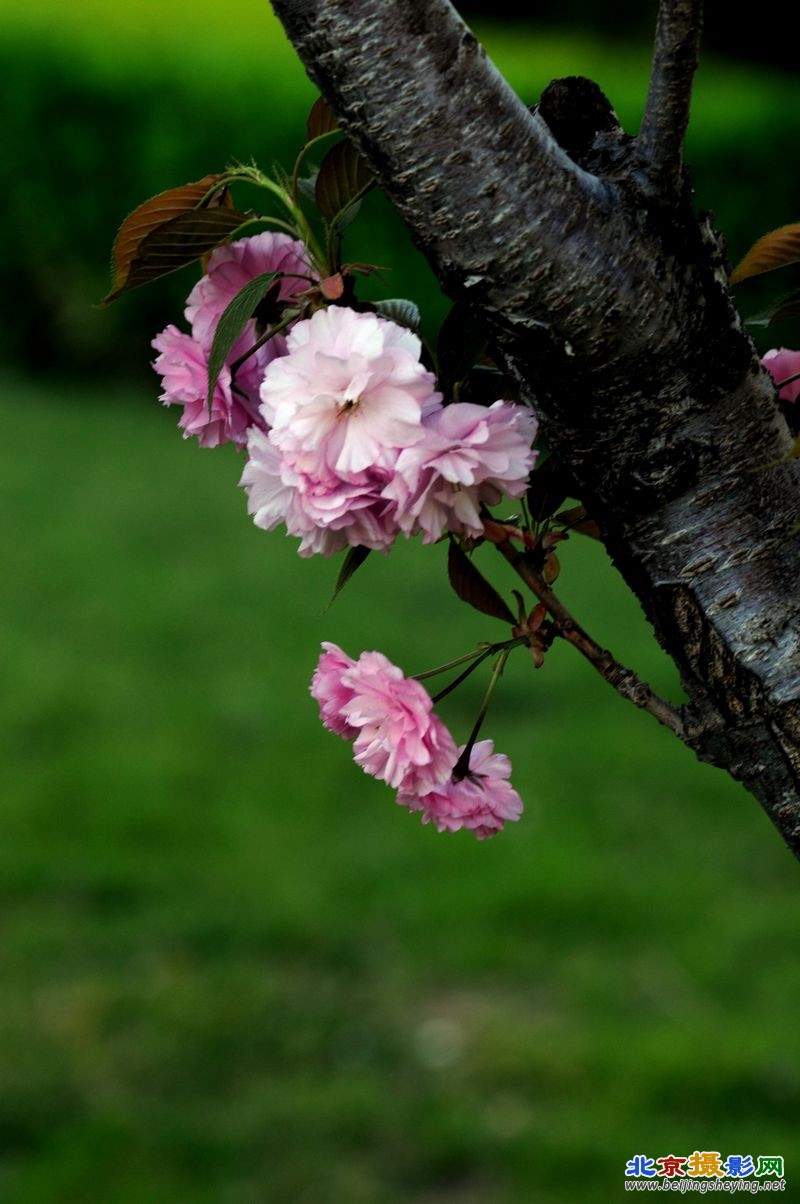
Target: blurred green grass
235	971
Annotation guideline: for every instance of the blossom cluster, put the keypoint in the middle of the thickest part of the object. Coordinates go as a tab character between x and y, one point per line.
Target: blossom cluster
182	362
358	446
347	436
350	443
398	739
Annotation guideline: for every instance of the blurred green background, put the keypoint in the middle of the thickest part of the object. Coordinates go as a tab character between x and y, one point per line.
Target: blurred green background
233	971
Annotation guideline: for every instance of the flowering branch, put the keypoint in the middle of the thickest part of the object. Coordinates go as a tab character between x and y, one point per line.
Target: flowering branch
610	313
623	680
606	308
666	114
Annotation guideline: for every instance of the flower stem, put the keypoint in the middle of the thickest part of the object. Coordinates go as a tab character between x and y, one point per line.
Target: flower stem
448	689
460	660
461	768
301	221
477	657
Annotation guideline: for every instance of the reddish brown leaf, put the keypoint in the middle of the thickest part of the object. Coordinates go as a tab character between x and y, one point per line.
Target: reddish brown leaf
343	177
774	250
225	200
551	568
547	490
352	562
537	617
175	243
461	340
321	120
472	587
148	217
578	520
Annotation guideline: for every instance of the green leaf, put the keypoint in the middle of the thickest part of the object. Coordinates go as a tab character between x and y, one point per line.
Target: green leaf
787	307
473	588
774	250
461	341
342	179
232	322
158	211
353	561
321	120
404	313
173	244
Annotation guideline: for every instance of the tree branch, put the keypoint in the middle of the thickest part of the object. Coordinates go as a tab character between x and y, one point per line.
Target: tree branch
614	314
627	684
387	69
666	114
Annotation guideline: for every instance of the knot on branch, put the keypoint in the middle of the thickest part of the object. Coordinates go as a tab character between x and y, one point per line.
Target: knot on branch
582	120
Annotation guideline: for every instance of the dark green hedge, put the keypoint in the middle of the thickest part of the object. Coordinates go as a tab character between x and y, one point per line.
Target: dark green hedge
86	148
84	145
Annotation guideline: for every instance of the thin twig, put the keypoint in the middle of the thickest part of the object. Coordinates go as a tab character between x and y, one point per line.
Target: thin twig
461	767
666	114
623	680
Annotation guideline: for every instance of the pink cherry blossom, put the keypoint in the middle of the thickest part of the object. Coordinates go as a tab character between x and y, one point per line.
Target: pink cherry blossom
471	455
327	513
270	499
183	359
343	401
482	801
183	367
349	510
782	363
231	266
350	393
359	447
331	692
398	738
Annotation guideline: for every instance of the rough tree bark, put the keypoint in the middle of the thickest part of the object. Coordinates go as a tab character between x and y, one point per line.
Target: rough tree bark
607	297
